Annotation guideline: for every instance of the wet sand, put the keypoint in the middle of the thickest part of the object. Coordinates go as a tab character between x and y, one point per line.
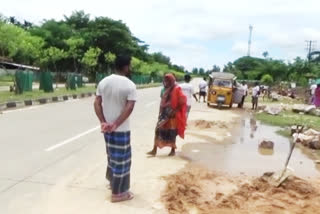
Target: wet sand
199	190
225	169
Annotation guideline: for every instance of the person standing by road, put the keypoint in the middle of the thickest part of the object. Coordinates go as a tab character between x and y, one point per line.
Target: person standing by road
115	99
316	100
313	88
187	89
203	89
172	116
255	96
244	87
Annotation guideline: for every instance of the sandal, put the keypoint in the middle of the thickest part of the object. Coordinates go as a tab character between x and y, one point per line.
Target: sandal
122	197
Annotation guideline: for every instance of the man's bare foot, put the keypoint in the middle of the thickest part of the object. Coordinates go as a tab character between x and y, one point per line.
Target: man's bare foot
172	153
122	197
152	152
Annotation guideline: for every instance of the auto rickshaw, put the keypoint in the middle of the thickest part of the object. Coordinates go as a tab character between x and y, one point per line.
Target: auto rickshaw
223	90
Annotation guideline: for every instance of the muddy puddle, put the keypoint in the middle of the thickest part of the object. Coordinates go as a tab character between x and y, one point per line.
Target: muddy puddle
240	153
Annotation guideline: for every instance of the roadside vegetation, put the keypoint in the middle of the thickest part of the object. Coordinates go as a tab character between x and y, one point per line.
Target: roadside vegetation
288	119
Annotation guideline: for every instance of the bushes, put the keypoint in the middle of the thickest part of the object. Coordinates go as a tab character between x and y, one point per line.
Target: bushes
267	79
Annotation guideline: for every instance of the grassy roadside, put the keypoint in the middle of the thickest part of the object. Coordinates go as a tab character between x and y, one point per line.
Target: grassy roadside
6	83
288	118
269	101
6	96
6	80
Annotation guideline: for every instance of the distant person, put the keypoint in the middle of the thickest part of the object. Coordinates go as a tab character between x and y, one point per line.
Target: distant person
313	88
245	88
203	89
316	100
172	116
115	99
188	90
255	96
245	94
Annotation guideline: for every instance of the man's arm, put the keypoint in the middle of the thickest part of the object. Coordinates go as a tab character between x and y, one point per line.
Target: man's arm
98	109
124	115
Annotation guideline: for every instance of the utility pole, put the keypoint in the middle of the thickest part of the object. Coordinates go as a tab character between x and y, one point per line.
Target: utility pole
310	46
249	42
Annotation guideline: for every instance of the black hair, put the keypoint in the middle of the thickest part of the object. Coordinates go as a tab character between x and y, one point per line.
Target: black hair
187	78
122	61
204	78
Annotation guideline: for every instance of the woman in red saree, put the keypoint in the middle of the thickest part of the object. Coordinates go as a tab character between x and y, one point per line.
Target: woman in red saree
172	116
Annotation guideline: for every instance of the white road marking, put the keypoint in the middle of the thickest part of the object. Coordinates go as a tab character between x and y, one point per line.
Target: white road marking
72	139
22	109
150	104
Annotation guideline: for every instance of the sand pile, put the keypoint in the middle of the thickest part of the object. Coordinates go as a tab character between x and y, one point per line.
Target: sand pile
196	190
203	124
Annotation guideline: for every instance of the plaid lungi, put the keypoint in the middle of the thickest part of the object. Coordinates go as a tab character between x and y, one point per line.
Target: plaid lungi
119	161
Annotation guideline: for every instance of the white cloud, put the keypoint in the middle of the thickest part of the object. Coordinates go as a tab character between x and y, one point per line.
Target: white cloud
197	33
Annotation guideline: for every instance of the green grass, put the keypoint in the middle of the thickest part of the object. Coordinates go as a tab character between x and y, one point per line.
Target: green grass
6	80
6	96
269	101
288	118
6	84
284	132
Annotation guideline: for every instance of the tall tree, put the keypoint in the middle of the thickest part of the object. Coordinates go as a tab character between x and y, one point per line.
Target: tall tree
265	54
75	50
90	58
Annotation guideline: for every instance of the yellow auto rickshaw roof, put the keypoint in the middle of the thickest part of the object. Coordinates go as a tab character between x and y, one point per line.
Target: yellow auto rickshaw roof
222	75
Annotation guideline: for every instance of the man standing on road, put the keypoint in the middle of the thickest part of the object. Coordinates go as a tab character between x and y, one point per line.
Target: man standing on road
313	88
255	96
115	100
187	89
245	94
203	89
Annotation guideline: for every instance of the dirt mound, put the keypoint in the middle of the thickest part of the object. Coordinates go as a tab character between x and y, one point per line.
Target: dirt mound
200	191
203	124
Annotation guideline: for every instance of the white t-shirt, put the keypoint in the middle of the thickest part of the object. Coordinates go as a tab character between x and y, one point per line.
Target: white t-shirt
245	88
255	91
187	89
203	86
115	90
313	89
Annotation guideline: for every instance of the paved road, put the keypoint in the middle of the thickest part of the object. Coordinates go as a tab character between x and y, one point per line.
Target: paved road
42	144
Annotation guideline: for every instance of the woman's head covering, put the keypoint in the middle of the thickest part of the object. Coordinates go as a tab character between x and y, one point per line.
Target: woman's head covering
170	79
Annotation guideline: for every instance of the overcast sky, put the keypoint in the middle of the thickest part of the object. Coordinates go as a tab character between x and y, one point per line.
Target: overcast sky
197	33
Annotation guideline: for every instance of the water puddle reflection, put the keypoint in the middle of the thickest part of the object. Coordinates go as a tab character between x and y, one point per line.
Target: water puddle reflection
241	152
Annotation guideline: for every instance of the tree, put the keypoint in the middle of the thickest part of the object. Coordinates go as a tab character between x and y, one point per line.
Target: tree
201	71
216	68
75	44
90	58
160	58
52	55
18	44
267	79
110	58
78	20
265	54
195	71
